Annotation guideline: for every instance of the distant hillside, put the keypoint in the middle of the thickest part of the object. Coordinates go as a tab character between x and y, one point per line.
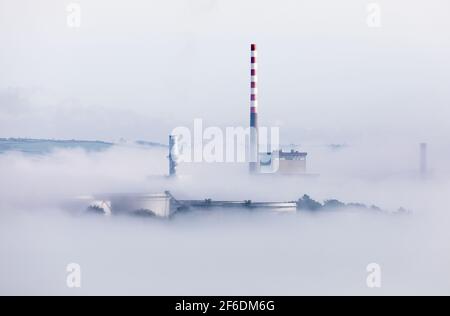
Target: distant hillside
151	144
42	146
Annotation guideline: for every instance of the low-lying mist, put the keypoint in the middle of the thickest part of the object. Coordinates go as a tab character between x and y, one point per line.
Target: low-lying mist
225	252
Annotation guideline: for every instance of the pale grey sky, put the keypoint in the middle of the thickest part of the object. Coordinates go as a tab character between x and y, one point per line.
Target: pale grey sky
137	69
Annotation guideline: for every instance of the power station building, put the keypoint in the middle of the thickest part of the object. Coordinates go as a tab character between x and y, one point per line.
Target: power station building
291	162
281	162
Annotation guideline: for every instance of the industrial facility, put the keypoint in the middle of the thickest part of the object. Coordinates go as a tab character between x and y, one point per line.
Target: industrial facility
280	162
165	205
276	162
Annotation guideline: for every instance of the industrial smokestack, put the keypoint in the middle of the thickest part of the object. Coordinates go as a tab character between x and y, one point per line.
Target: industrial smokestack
253	164
423	160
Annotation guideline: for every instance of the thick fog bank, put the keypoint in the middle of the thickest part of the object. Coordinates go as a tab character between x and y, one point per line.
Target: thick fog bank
219	252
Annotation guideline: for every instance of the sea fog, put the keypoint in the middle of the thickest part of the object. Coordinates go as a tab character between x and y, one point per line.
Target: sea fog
225	252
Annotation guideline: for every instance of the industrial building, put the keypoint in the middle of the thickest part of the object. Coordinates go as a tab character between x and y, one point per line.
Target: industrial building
291	162
281	162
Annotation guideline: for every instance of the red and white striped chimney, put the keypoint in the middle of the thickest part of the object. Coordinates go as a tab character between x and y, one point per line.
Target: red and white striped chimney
253	164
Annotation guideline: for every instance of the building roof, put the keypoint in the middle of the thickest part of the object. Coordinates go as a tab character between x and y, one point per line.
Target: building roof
291	155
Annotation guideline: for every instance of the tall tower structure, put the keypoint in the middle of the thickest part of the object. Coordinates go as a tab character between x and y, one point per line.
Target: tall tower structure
253	150
173	155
